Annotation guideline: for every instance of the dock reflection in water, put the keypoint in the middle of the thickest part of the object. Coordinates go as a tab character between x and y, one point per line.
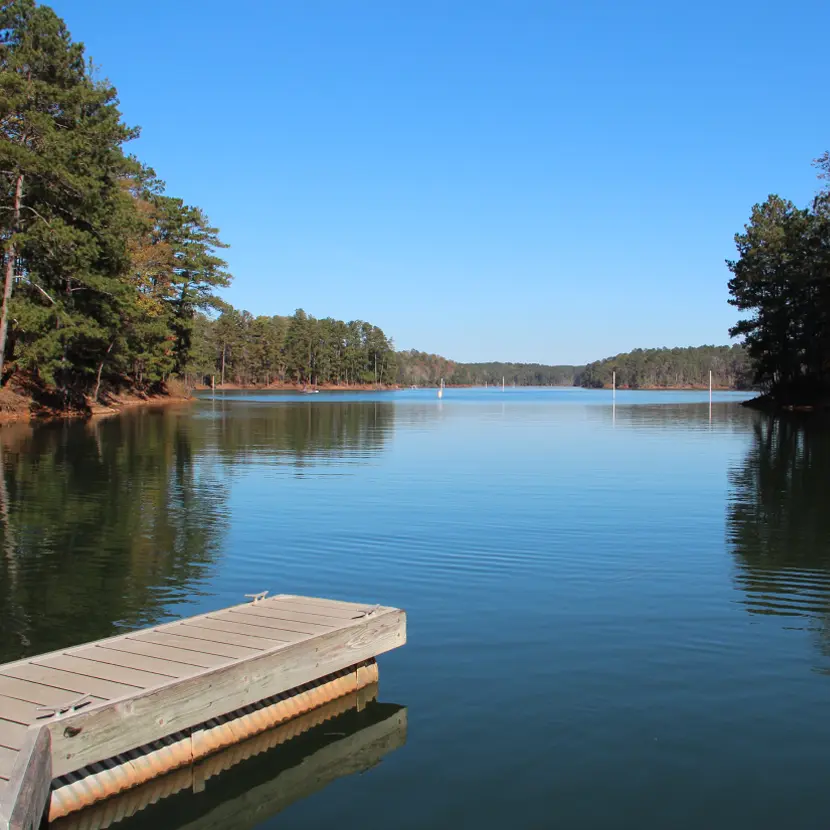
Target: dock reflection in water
250	782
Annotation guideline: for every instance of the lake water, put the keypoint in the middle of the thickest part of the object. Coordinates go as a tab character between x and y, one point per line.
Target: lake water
618	615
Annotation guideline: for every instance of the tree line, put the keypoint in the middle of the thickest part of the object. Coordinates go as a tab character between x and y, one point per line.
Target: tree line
104	273
666	368
781	279
238	348
422	369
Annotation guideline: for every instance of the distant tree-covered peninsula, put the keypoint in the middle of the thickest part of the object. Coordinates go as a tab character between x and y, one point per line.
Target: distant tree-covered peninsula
238	348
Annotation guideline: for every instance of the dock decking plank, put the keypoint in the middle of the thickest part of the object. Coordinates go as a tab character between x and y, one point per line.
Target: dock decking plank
198	645
158	665
179	655
209	634
37	693
252	632
103	671
288	628
72	684
276	612
12	734
7	759
19	711
318	613
323	601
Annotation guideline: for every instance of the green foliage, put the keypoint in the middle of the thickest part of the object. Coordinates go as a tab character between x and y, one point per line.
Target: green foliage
239	348
421	369
782	279
666	368
104	274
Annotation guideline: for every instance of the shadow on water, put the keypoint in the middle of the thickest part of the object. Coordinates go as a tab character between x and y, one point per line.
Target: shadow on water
114	523
247	784
778	522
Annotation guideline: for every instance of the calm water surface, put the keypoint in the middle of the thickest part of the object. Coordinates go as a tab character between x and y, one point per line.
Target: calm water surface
618	615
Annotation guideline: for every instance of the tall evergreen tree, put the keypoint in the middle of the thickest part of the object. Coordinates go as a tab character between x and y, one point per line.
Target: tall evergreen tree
781	279
64	212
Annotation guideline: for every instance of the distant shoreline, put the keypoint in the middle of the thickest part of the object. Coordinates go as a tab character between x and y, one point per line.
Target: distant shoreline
372	387
297	387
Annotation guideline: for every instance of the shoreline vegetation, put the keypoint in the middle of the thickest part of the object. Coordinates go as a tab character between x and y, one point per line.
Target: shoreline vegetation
781	281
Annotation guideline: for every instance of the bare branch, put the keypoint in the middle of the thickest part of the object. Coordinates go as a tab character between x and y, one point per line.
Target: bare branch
26	279
27	207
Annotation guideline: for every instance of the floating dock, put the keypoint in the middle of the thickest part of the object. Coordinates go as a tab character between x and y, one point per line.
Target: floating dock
85	723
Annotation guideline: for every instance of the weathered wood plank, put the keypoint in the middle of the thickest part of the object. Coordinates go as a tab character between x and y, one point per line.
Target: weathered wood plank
178	655
120	725
73	684
170	626
19	711
162	666
12	734
7	759
319	613
351	607
224	622
222	630
26	795
211	635
290	629
196	644
285	614
38	693
102	671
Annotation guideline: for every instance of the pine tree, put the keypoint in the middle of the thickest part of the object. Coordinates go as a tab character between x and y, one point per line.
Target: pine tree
65	213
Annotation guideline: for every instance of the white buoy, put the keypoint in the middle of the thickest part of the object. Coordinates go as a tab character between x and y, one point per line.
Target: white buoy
502	383
613	385
441	389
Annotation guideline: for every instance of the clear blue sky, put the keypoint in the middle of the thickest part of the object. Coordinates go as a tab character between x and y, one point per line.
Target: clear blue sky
536	181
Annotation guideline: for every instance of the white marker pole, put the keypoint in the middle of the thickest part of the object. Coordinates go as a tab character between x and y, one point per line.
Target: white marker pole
613	385
710	396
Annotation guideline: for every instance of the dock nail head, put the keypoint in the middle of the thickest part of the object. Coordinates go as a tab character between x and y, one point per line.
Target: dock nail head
255	598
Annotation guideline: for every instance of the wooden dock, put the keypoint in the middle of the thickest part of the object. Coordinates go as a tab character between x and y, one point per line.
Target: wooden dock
64	711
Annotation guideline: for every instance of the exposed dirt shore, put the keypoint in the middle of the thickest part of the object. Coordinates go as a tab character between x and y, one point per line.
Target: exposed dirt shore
17	406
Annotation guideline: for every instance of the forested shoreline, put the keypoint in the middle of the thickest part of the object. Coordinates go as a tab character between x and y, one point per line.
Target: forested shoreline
678	368
104	273
236	348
